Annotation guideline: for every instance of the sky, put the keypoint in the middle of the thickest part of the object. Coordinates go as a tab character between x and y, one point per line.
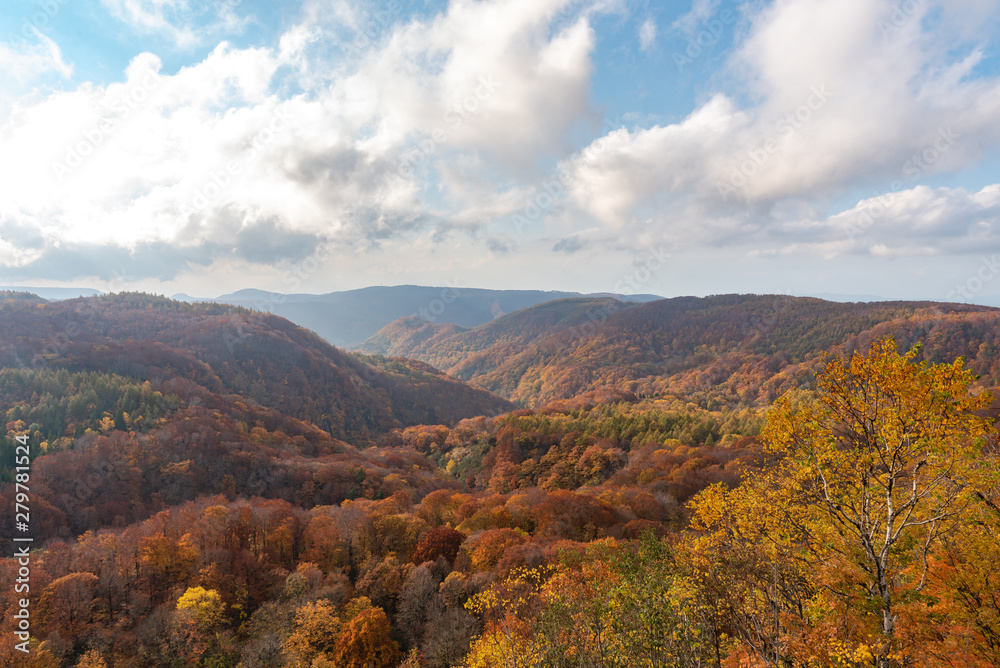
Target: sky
833	147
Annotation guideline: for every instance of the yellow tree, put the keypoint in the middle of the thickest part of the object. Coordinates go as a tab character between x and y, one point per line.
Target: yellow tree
966	580
91	659
204	605
750	580
507	640
879	464
624	605
317	629
197	620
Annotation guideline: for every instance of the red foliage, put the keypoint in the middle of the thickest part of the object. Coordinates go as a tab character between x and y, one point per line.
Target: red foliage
440	542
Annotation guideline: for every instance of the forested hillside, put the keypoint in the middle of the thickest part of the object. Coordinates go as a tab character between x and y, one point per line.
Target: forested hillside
231	350
731	348
445	346
215	487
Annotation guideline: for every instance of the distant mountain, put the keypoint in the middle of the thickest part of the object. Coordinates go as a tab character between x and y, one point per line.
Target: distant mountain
54	294
347	319
228	350
731	348
17	295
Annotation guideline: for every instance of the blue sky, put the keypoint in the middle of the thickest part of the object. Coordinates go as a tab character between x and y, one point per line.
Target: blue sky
797	146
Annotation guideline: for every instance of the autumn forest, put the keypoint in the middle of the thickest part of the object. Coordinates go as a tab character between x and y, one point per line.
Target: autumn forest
737	481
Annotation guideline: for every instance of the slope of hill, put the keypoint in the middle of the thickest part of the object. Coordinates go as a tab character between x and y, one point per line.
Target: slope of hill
735	348
229	350
176	462
444	346
348	318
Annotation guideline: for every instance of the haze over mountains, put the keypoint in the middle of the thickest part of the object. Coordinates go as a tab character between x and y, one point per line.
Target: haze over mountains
346	319
355	319
738	349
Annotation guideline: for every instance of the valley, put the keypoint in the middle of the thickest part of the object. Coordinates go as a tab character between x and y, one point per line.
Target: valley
212	453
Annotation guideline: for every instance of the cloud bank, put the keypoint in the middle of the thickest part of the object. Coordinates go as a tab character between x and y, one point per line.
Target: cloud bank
470	138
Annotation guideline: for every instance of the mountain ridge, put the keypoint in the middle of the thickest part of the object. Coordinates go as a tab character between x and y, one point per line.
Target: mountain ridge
348	318
726	345
232	350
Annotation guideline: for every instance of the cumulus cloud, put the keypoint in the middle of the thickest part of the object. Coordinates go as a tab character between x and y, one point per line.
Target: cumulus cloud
217	158
418	138
846	93
913	222
920	221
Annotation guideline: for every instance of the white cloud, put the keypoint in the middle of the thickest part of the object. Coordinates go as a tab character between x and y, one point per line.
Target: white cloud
647	34
700	12
920	218
913	222
187	24
838	105
26	61
202	162
623	171
490	75
219	165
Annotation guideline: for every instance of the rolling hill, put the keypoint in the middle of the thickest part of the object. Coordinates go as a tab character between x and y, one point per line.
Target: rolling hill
348	318
184	452
732	348
229	350
445	346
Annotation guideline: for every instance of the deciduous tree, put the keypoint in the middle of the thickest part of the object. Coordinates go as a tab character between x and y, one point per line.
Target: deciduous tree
879	464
